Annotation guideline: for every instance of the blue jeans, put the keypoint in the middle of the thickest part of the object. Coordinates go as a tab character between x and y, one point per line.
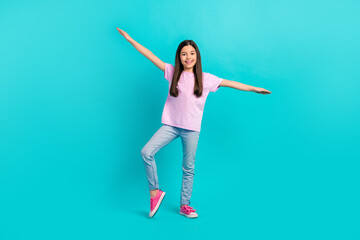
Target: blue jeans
161	138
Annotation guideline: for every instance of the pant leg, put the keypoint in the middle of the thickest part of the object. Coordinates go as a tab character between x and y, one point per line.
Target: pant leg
189	141
161	138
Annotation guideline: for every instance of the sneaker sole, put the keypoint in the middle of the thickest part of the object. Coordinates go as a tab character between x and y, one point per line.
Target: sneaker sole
187	215
157	205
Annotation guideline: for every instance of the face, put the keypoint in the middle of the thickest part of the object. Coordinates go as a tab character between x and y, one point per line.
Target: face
188	57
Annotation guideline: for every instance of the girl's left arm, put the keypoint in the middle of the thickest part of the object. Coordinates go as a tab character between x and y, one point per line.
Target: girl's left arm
243	87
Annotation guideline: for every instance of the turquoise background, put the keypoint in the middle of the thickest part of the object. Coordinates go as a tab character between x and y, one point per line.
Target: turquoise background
78	103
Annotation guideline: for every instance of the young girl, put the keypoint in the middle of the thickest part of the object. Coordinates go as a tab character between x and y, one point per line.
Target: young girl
182	115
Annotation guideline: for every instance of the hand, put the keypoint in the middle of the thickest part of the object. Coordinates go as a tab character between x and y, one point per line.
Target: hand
261	90
124	34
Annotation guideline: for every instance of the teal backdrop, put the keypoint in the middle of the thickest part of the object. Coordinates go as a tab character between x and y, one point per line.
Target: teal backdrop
78	103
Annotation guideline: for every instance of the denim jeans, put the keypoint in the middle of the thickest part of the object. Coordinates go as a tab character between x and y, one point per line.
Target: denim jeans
161	138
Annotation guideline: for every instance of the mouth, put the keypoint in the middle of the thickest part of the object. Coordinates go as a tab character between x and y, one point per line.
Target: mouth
189	62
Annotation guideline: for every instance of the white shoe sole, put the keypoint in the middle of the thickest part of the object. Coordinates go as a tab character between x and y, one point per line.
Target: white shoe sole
188	216
152	213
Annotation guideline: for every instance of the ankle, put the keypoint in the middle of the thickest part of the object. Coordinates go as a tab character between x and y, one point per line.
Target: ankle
153	193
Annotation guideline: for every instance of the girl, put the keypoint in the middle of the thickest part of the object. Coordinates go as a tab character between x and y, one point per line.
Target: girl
182	115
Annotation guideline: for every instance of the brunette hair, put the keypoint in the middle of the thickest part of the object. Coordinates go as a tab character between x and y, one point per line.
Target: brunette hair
198	86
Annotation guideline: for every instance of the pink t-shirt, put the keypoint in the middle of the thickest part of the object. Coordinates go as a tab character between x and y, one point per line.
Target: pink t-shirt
186	110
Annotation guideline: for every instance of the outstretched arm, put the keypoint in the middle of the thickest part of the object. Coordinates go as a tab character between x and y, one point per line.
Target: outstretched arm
243	87
144	51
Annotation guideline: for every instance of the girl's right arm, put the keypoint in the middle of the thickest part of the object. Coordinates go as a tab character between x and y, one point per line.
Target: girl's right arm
144	51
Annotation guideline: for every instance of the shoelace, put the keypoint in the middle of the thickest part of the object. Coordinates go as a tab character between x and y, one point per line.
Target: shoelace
152	203
188	208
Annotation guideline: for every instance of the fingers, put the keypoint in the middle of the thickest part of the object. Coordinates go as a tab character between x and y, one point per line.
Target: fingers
264	91
120	31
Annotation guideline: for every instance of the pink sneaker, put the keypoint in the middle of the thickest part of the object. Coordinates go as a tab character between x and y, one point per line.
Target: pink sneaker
155	202
188	211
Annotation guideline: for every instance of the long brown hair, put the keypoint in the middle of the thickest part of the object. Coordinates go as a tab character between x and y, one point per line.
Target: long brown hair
198	86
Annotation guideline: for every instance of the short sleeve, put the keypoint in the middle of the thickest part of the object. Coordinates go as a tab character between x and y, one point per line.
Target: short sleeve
169	72
214	82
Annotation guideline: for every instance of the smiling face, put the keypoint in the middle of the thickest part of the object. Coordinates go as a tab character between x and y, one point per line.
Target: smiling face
188	58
